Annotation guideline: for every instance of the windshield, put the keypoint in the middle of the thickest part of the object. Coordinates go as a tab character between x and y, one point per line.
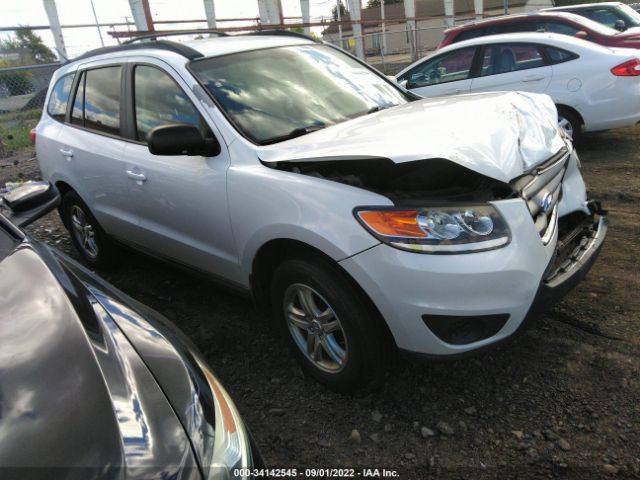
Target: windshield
279	93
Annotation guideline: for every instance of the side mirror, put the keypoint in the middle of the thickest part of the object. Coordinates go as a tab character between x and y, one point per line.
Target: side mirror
181	139
620	25
28	202
582	34
404	83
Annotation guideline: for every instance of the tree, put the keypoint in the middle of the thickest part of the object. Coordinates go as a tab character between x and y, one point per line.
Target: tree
25	38
376	3
334	10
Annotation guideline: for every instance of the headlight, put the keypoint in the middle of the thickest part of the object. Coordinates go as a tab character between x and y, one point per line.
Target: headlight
438	229
232	448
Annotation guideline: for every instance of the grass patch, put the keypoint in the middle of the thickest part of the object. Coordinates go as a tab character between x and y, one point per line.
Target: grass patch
15	128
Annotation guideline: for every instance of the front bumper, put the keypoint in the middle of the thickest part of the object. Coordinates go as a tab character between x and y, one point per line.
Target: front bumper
501	290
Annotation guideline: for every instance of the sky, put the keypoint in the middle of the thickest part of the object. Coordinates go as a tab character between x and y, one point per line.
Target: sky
79	40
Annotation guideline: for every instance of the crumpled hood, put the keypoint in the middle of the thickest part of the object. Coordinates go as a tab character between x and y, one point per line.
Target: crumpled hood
500	135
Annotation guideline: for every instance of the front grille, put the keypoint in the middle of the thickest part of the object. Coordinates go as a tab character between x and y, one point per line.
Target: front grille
541	188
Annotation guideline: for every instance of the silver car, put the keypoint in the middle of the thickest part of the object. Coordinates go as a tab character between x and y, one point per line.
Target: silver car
365	220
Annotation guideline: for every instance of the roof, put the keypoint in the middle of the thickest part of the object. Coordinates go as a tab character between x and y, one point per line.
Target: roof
508	18
583	5
534	37
424	8
205	47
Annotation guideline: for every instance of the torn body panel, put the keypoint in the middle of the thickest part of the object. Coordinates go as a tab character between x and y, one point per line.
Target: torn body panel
499	135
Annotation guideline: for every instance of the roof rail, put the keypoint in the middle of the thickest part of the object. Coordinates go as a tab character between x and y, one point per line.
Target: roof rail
175	47
171	33
284	33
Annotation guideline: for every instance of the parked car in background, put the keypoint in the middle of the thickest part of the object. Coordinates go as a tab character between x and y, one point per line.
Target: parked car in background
362	217
594	87
635	6
549	22
94	384
616	15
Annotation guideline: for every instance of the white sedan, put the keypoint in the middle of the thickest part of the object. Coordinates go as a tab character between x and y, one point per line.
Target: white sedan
594	87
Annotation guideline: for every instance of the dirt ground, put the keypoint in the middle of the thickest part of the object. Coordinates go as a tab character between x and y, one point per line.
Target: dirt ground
562	401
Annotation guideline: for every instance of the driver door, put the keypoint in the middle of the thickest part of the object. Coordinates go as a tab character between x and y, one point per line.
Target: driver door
181	200
449	73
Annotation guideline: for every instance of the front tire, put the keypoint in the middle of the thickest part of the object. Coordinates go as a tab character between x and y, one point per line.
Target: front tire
94	246
333	331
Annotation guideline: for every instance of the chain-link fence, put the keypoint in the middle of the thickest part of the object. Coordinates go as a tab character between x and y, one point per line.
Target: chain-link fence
394	49
22	94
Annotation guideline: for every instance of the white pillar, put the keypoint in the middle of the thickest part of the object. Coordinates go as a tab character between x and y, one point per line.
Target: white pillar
54	23
269	12
410	14
448	13
137	10
306	17
479	8
210	12
384	30
338	5
356	27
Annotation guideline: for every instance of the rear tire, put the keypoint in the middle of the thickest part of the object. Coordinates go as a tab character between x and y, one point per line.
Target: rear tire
334	332
94	246
570	122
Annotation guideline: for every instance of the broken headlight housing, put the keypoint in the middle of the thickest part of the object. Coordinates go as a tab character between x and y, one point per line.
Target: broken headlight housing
449	229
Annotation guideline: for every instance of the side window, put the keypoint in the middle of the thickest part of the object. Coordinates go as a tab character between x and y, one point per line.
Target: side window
510	57
449	67
57	107
512	27
159	100
604	16
77	117
557	55
102	100
469	34
557	27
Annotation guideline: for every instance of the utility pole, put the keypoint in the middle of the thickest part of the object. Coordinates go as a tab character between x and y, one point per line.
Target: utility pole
306	17
506	7
141	15
410	15
356	26
479	8
56	29
95	17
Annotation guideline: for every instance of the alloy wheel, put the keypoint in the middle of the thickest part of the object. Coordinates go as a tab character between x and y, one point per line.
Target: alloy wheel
566	125
315	328
84	232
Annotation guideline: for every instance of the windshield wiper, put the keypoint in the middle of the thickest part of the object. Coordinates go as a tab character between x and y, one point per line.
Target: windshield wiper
296	132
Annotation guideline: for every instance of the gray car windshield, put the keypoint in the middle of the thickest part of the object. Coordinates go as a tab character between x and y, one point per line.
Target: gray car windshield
280	93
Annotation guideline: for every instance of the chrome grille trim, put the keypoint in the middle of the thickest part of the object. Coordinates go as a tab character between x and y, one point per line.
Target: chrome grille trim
542	187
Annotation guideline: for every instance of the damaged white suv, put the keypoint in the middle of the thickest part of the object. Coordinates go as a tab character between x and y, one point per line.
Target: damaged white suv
366	220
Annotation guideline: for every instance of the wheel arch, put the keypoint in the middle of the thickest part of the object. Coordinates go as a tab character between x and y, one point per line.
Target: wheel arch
562	106
272	253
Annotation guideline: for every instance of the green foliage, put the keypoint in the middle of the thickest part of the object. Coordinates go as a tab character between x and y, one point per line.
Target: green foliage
15	128
17	83
334	10
376	3
25	41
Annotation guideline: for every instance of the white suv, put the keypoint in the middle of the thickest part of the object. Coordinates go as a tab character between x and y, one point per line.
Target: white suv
365	219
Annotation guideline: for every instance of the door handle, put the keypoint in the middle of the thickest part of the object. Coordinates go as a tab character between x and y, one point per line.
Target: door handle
454	90
66	153
532	79
138	177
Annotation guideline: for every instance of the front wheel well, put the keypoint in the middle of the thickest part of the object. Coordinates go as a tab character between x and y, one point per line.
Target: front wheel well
274	252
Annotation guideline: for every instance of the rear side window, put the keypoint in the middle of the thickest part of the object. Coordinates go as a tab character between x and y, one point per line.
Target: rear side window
510	57
557	27
513	27
159	100
59	97
102	100
557	55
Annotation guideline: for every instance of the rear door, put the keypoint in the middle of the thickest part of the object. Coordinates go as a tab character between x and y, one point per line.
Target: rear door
181	200
511	67
91	146
446	74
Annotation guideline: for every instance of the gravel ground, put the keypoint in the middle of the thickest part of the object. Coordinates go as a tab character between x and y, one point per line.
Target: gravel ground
560	401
